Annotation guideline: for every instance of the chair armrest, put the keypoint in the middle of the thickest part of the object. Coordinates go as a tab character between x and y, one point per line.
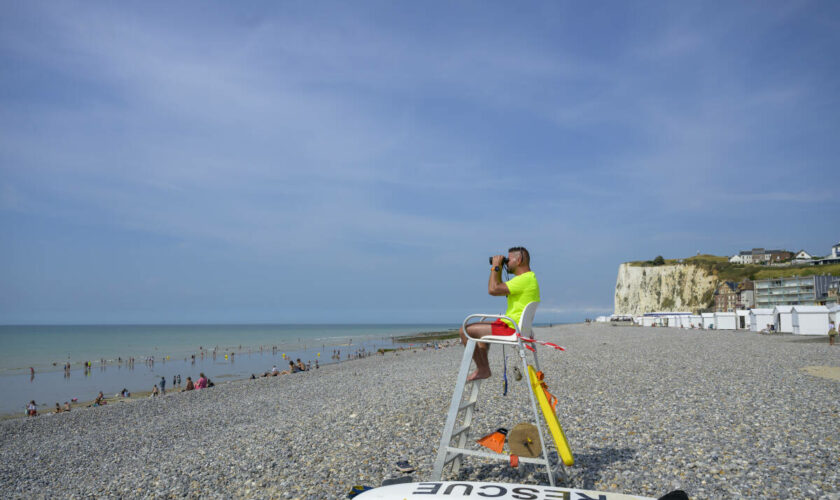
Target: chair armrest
488	316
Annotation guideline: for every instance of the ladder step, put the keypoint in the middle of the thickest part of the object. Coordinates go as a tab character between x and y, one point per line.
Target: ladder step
467	405
495	456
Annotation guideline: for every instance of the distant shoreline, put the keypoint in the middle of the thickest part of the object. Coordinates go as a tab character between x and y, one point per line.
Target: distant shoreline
427	336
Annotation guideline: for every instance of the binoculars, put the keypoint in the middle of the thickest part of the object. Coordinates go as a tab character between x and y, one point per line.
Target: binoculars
504	261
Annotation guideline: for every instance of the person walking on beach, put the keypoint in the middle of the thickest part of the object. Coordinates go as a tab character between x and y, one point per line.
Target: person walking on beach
520	290
832	333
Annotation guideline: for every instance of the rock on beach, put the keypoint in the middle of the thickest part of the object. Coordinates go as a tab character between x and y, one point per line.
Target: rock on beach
718	414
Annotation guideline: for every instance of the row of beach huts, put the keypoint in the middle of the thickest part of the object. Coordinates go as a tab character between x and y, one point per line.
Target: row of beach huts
796	319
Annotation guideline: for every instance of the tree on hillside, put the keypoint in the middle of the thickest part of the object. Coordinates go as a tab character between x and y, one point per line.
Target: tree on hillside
658	261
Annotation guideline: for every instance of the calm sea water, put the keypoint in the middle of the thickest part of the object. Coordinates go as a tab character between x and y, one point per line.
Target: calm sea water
255	349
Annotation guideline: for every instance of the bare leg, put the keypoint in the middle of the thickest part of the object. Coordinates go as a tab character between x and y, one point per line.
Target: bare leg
482	363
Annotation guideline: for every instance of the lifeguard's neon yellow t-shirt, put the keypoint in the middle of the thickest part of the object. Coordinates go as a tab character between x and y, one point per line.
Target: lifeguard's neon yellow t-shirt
524	289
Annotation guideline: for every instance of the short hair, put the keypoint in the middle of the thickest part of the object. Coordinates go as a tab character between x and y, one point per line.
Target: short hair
523	252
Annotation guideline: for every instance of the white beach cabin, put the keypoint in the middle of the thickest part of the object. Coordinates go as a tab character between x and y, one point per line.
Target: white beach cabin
783	318
648	320
760	318
725	321
708	320
681	319
695	320
810	320
743	319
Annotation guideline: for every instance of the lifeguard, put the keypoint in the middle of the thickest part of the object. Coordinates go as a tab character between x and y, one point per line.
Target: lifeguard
521	290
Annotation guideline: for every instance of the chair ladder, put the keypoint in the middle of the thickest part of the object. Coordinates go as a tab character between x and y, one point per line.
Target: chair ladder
449	454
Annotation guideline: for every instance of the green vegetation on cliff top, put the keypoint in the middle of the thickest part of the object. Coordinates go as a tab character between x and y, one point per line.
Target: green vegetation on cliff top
725	270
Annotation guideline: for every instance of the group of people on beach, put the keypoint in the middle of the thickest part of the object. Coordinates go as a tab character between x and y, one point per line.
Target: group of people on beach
360	353
202	383
32	408
293	368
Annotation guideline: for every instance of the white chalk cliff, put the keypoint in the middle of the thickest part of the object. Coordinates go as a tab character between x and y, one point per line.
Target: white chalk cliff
679	287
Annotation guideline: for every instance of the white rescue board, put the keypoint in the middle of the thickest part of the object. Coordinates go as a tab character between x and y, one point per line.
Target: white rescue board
458	490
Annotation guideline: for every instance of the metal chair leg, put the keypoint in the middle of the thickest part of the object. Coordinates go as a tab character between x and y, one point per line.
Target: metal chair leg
454	408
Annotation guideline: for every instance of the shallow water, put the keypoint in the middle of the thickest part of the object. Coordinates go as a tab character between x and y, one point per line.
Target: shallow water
172	347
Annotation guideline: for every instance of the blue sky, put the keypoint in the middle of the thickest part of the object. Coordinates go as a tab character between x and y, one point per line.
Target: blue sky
333	162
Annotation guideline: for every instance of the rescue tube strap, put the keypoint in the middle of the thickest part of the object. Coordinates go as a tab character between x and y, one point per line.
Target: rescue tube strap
504	356
540	342
552	399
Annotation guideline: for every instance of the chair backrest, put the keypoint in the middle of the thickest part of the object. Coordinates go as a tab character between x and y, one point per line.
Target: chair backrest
527	319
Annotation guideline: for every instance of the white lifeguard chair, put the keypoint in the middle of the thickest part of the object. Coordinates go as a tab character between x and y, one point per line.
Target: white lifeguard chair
449	453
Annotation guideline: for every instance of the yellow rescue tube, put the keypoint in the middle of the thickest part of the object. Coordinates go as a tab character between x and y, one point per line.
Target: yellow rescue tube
560	441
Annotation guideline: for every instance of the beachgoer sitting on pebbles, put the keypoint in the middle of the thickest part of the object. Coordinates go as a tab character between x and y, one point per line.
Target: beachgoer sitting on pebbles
66	406
300	365
100	400
57	408
520	290
32	409
155	391
202	382
190	385
292	369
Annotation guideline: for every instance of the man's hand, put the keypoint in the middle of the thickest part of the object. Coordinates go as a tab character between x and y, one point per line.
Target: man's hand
495	286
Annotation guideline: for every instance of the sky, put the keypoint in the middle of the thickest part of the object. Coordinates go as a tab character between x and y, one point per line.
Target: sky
358	162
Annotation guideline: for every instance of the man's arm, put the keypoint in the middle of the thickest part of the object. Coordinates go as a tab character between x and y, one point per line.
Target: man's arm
496	287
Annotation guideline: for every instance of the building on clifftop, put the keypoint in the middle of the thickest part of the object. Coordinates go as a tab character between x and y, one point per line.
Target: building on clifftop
760	256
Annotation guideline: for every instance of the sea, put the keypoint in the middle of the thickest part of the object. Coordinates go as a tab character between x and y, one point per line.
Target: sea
32	358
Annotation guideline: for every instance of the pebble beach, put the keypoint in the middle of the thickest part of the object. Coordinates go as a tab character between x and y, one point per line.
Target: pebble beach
719	414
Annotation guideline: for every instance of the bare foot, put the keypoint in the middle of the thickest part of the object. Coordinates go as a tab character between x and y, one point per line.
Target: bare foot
478	375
